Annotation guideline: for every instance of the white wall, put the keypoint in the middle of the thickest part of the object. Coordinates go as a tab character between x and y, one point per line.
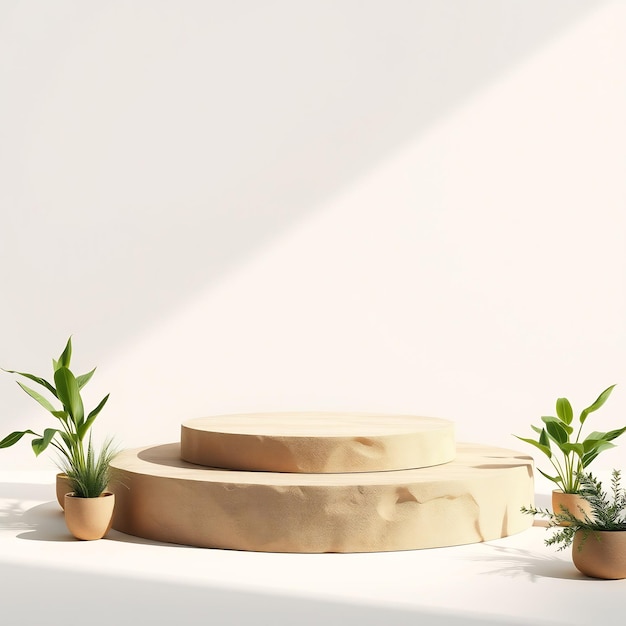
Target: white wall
374	206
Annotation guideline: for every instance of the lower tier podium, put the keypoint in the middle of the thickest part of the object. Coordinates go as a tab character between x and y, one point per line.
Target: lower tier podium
477	497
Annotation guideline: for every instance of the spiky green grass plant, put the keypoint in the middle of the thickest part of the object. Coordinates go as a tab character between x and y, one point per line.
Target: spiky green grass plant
89	474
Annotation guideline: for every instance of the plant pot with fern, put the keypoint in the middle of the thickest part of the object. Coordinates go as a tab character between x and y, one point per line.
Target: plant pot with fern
598	539
71	420
89	506
570	455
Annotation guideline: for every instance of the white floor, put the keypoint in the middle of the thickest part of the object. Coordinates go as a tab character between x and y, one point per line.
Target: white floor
47	577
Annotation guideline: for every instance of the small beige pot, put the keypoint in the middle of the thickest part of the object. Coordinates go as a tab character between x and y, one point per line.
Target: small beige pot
89	518
572	502
603	554
63	486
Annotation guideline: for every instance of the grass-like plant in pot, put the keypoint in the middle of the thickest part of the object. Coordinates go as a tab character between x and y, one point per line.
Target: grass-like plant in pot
89	506
89	473
71	420
598	538
569	454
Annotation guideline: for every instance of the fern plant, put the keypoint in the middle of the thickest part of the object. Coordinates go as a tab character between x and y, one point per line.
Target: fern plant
608	512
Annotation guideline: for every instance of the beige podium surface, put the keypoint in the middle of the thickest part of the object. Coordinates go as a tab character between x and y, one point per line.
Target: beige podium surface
317	442
476	497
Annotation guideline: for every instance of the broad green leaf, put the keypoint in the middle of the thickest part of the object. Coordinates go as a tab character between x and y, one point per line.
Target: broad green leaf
39	445
37	396
537	429
62	415
564	410
546	419
604	445
14	437
545	449
588	458
83	379
544	440
554	479
600	400
66	355
557	432
592	444
69	394
82	430
592	454
37	379
577	448
608	436
614	434
549	418
67	439
596	437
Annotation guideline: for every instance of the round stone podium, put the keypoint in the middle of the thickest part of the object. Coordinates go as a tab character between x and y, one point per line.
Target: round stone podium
476	497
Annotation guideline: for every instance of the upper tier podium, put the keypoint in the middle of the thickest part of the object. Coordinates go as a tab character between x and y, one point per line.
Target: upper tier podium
317	443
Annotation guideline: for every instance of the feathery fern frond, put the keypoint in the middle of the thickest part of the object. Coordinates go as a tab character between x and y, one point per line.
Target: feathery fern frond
608	512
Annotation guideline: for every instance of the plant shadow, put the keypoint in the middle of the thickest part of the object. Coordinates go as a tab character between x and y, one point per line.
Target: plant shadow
44	521
515	562
15	512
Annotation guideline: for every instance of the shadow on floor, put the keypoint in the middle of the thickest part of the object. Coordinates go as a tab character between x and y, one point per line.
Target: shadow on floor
514	562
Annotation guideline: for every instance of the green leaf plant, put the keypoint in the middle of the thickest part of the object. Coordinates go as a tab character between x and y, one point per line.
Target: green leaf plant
607	512
570	456
72	421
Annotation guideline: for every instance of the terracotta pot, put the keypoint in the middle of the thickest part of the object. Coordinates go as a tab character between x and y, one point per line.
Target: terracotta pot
603	554
89	518
63	486
572	502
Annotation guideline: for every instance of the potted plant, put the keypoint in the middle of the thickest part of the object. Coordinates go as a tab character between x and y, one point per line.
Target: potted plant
89	506
598	540
72	422
570	455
